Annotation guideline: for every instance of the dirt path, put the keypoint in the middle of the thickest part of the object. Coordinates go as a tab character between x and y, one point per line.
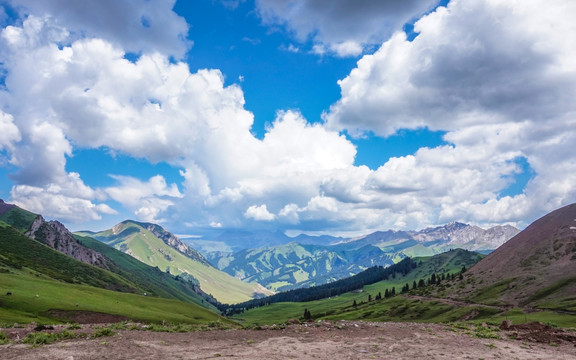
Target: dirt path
340	340
458	303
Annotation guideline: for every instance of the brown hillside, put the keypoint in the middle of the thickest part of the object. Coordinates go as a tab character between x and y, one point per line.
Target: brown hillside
538	263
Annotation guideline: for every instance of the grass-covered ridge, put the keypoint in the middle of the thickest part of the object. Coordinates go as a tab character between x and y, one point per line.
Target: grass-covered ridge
18	218
18	251
39	284
132	238
152	279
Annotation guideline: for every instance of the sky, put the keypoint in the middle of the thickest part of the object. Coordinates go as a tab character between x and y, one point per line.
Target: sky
322	117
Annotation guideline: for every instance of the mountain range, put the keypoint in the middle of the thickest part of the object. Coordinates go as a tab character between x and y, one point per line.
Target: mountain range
294	265
50	274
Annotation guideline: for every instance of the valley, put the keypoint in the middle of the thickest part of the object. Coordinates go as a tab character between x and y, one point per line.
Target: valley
139	272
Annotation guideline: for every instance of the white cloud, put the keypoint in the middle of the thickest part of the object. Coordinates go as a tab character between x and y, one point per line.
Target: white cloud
344	27
498	77
474	62
135	25
259	213
9	133
69	200
146	199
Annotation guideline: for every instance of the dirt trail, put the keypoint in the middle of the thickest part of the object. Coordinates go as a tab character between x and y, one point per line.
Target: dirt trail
458	303
324	340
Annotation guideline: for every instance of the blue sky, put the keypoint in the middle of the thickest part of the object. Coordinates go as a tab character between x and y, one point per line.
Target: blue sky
339	117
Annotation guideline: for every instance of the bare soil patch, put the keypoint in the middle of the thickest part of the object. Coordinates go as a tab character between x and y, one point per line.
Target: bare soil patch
322	340
86	317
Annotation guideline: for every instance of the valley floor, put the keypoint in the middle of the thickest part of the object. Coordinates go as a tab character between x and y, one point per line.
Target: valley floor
323	340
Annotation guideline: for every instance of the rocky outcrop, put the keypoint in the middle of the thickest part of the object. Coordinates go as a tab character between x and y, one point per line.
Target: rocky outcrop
55	235
169	239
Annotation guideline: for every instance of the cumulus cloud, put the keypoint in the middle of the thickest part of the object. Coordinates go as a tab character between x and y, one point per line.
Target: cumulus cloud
498	77
146	199
135	25
9	133
345	27
69	199
473	62
259	213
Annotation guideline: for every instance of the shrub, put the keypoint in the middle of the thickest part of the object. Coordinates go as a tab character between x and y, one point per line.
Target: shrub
3	338
103	332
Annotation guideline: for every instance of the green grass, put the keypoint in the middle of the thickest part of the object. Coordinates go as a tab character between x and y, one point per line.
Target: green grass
490	295
3	338
18	218
144	246
150	278
393	309
517	316
552	289
24	306
18	251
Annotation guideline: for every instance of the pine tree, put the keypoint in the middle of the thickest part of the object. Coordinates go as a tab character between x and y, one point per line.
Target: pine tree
414	285
354	304
386	294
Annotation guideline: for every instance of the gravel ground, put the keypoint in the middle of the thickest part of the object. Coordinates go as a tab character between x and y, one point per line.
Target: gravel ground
322	340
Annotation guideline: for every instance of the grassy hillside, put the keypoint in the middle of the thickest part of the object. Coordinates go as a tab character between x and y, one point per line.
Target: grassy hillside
536	268
36	280
341	307
18	251
34	298
133	239
150	278
18	218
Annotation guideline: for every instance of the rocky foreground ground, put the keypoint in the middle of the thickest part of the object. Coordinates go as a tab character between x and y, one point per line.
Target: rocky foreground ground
320	340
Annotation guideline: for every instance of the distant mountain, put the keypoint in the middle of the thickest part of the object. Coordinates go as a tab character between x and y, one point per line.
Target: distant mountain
296	265
155	246
237	240
408	269
537	267
436	240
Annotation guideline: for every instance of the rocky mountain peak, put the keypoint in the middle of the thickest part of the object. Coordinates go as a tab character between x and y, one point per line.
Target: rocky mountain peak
58	237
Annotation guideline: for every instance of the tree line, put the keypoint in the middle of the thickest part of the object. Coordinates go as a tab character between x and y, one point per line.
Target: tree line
356	282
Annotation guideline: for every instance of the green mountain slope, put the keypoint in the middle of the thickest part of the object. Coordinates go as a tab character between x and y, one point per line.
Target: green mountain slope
153	280
137	240
341	307
144	277
18	251
295	265
536	268
18	218
40	284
